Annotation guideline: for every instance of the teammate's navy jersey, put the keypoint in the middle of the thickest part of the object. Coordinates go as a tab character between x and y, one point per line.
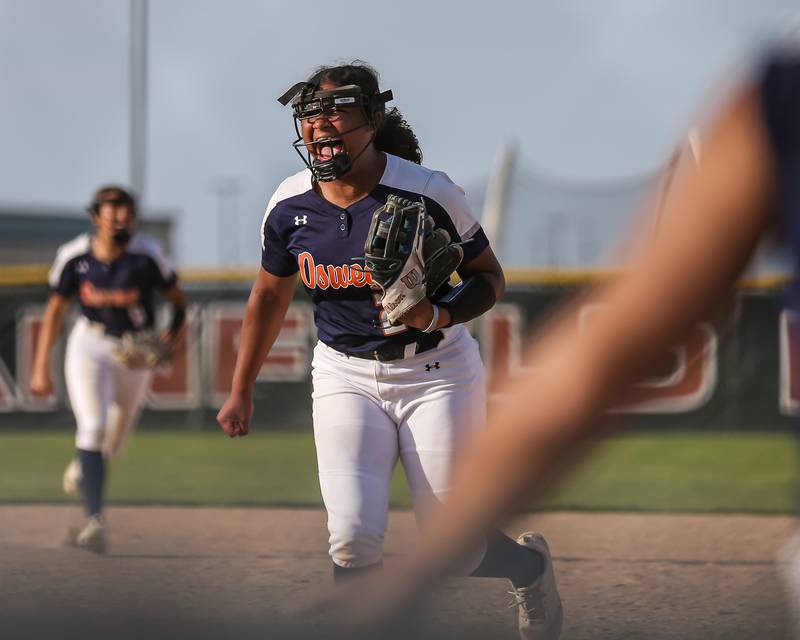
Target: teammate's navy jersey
117	294
303	231
780	98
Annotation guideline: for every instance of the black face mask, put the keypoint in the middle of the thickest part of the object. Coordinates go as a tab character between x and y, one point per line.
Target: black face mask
122	237
332	169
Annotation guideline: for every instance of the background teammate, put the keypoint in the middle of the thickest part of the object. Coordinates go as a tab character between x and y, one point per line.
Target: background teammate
746	185
379	391
114	274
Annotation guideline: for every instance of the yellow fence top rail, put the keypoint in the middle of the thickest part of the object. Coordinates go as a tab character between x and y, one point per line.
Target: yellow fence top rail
36	274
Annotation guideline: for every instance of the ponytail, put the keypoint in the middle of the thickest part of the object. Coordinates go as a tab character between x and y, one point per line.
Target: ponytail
395	136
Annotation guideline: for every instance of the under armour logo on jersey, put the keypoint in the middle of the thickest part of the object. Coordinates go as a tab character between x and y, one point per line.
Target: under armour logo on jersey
430	367
82	267
298	220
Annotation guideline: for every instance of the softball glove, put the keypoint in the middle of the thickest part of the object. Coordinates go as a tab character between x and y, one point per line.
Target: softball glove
143	350
408	257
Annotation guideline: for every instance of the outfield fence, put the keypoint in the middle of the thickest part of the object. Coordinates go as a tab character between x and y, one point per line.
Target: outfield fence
739	370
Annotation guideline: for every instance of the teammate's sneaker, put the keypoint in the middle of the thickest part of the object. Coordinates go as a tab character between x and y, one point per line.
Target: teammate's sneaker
539	605
73	476
91	538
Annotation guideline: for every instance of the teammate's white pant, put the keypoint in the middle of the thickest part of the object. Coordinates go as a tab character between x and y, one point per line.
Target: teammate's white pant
106	396
367	413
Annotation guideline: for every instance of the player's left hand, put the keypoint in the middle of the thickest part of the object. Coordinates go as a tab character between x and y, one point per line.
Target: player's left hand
420	315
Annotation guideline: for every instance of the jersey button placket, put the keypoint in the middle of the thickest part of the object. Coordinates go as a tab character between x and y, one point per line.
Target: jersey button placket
343	224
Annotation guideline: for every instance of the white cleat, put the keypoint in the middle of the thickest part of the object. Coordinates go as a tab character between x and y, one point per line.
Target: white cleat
73	476
540	613
91	538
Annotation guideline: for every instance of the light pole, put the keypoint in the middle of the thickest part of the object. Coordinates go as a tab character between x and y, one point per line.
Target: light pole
138	98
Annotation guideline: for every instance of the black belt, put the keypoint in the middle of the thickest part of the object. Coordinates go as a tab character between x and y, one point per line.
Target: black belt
112	333
393	351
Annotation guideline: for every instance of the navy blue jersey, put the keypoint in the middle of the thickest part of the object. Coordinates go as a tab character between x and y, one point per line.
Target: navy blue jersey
117	294
780	98
304	232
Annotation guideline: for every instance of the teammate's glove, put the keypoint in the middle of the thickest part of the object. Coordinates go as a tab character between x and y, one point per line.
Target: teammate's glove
407	256
143	350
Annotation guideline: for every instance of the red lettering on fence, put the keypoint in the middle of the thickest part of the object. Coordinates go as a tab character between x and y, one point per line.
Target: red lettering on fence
288	361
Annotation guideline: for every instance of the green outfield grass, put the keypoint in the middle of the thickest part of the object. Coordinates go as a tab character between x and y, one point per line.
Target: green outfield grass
654	471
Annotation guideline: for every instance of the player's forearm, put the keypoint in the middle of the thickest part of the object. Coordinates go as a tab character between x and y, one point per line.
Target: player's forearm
469	300
179	303
52	323
261	326
177	321
488	267
483	284
497	282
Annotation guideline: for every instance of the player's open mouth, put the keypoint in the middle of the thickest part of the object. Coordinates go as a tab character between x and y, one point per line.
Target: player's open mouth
326	148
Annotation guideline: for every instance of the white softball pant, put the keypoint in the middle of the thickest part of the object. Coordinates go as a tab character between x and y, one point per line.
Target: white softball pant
106	396
367	414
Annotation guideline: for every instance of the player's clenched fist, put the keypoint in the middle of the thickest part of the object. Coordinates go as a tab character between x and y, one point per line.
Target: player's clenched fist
234	417
41	384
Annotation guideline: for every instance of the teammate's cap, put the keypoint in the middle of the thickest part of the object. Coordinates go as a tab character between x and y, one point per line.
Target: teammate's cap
111	194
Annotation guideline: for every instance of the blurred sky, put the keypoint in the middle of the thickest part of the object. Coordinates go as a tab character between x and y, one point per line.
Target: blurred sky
589	90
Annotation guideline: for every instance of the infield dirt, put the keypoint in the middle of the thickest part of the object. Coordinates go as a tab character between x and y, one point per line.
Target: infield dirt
237	573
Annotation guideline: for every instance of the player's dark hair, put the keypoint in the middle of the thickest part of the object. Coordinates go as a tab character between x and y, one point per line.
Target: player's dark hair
395	135
111	193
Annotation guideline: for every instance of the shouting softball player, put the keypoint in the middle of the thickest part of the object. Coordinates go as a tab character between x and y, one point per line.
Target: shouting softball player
111	349
395	372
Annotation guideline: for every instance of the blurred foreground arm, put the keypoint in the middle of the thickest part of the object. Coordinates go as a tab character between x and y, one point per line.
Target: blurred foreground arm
707	233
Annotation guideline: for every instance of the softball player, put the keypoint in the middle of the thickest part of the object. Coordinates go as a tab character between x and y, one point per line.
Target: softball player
746	185
114	274
380	392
